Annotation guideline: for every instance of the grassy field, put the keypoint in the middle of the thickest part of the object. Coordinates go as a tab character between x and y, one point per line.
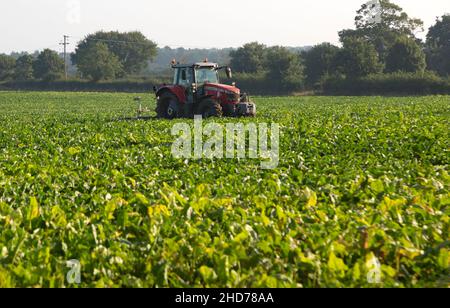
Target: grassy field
360	181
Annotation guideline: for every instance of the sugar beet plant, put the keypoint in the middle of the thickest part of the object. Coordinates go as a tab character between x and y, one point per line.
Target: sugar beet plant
361	181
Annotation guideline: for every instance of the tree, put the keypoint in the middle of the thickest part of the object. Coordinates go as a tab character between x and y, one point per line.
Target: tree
357	58
405	56
438	46
48	66
285	68
132	49
7	64
99	63
24	68
249	58
319	61
390	22
390	16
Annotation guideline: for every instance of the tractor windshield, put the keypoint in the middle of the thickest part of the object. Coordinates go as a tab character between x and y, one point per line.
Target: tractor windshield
207	75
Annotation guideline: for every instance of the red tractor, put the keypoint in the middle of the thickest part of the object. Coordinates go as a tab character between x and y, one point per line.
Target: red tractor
196	90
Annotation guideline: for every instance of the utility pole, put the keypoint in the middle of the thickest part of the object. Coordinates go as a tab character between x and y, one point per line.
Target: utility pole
66	42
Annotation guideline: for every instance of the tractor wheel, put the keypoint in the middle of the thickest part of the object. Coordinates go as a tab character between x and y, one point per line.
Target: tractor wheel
229	110
209	108
168	106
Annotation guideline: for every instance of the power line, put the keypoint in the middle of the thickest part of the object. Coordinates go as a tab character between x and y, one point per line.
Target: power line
140	43
66	42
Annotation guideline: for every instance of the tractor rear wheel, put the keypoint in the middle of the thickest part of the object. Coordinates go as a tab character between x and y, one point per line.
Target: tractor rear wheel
209	108
168	106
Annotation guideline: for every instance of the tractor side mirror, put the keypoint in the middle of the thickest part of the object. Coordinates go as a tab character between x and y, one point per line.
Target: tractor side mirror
229	72
183	75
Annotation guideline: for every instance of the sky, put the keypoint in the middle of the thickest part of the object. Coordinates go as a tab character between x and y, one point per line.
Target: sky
28	25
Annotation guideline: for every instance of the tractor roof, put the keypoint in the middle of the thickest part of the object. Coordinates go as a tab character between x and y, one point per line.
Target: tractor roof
198	64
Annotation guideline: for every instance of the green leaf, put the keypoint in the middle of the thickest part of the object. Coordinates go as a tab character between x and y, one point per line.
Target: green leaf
207	274
377	186
34	210
337	265
444	259
73	150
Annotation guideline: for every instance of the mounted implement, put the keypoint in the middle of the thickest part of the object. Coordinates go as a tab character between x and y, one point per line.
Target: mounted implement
196	90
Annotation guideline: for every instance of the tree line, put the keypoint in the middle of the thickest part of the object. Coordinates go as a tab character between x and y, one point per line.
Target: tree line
47	65
388	47
100	56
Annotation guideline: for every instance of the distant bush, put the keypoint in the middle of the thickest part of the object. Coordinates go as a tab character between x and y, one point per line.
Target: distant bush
254	84
261	84
390	84
128	85
250	83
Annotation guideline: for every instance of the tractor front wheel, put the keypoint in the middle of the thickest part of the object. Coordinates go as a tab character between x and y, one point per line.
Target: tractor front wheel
168	106
209	108
229	110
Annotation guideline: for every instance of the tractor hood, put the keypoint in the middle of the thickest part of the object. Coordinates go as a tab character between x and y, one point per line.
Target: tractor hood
221	88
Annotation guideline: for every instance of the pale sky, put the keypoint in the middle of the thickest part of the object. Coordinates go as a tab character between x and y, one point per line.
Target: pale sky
28	25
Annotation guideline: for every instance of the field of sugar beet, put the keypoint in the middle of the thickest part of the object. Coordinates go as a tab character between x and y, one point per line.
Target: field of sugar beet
360	197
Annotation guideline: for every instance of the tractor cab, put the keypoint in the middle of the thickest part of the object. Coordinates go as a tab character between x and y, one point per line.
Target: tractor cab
194	77
196	89
198	74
